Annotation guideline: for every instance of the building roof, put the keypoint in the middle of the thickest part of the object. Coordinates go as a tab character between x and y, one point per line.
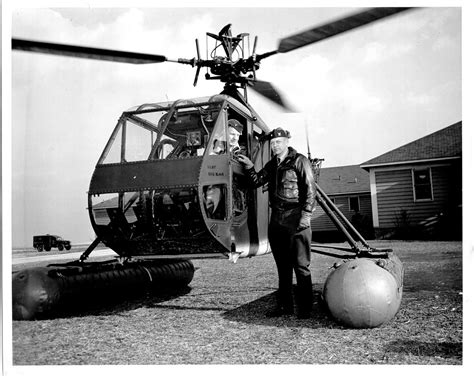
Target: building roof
344	180
445	143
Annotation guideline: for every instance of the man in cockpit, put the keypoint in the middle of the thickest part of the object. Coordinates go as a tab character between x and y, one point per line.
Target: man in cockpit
234	132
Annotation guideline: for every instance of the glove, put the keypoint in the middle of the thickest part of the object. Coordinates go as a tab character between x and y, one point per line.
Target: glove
305	221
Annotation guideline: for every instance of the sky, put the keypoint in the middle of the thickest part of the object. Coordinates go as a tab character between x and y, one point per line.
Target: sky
360	94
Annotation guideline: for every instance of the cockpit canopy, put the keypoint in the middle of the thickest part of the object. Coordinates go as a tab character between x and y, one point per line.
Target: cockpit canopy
181	129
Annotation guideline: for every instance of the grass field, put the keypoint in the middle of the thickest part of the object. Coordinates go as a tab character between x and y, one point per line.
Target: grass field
220	319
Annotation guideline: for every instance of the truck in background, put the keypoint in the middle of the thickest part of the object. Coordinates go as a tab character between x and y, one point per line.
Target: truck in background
48	241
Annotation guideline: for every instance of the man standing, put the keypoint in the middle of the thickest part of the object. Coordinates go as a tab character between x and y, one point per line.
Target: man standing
292	189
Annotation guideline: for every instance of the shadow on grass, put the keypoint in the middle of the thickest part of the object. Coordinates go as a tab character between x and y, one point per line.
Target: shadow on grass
254	313
114	304
428	349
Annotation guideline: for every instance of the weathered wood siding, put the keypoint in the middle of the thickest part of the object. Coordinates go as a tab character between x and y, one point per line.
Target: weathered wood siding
395	194
321	221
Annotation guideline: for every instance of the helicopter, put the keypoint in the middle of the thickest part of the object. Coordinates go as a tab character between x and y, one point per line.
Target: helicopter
149	192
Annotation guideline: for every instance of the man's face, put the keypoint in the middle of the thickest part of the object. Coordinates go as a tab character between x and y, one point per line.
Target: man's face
279	145
233	136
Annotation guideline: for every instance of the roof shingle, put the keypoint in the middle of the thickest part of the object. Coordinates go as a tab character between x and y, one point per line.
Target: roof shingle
344	180
444	143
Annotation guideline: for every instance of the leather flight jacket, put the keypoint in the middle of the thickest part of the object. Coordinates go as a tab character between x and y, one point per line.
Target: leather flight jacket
291	184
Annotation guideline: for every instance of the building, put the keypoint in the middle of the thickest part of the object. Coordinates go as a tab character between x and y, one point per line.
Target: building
416	189
348	187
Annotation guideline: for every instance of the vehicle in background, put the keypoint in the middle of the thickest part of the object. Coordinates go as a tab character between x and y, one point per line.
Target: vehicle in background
48	241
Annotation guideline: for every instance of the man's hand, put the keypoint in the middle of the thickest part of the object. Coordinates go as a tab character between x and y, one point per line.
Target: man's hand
245	161
305	221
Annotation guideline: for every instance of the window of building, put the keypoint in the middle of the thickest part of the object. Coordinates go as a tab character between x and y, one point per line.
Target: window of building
354	204
422	187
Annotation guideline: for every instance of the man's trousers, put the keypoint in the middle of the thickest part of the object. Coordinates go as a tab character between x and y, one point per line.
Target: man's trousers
291	251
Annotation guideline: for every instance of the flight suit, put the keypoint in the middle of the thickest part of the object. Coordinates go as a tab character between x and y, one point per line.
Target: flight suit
292	189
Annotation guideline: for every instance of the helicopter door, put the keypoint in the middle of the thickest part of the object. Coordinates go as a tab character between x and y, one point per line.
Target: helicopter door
215	189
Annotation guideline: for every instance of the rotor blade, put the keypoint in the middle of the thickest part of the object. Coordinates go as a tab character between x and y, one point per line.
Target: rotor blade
86	52
333	28
196	77
268	91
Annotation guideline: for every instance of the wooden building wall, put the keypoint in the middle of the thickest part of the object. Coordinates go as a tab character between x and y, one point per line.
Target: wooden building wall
395	194
321	222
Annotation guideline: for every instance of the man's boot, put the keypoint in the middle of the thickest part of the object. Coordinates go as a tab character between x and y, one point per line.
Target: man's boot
304	297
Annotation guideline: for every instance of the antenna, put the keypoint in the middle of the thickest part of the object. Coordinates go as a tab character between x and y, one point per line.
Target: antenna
307	138
316	162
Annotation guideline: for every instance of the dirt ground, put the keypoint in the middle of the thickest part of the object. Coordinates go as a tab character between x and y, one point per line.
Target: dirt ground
220	319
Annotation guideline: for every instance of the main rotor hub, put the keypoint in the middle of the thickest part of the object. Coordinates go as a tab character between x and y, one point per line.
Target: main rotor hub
230	58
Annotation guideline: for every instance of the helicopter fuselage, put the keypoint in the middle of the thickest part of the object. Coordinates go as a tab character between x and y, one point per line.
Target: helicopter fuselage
167	185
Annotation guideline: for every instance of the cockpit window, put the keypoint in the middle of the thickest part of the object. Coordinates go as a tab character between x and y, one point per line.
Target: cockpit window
219	139
215	198
179	131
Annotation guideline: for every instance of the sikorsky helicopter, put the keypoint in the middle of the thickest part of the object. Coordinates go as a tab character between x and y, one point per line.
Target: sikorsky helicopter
153	185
